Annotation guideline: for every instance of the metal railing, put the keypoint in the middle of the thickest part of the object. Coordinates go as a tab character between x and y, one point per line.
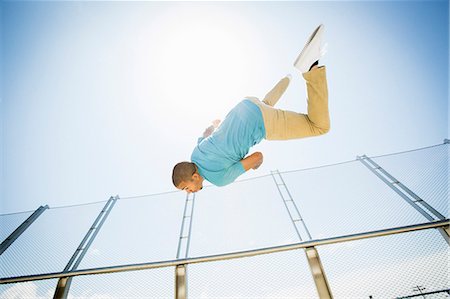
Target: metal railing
221	257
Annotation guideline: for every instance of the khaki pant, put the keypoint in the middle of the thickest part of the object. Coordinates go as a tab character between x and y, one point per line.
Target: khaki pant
283	124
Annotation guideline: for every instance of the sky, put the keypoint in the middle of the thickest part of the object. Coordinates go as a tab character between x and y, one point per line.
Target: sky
100	99
103	98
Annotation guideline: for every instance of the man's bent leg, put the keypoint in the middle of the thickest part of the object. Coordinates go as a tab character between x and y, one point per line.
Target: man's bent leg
317	89
277	91
283	125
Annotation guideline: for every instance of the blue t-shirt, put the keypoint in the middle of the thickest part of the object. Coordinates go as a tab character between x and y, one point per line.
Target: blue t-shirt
218	156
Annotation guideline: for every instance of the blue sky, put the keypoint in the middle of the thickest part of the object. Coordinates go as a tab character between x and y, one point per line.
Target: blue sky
103	98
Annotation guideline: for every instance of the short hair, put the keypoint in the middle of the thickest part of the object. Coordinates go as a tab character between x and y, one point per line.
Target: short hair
183	172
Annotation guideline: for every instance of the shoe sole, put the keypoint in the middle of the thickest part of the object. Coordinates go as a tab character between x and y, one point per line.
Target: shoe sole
308	42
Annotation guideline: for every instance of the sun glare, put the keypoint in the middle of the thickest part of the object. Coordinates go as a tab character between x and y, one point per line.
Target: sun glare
199	56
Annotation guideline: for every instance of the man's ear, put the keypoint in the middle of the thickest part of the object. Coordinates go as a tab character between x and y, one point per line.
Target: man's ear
195	176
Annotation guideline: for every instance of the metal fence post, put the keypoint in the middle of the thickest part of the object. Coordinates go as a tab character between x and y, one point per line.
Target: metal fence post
318	273
62	289
180	282
19	230
315	264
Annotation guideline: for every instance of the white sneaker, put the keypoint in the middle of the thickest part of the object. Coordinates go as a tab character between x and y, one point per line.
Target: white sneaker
312	51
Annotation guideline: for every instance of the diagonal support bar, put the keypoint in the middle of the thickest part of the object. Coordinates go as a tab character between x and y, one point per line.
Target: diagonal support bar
376	169
62	289
19	230
407	194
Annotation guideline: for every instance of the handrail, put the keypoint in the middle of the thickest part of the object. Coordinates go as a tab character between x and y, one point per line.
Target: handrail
234	255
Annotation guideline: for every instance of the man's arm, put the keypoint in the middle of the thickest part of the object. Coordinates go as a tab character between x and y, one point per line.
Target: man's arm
228	175
253	161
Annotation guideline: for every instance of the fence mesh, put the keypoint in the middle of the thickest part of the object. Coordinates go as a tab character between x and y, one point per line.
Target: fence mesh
335	200
155	283
137	231
276	275
426	172
42	289
9	223
346	199
47	245
387	267
242	216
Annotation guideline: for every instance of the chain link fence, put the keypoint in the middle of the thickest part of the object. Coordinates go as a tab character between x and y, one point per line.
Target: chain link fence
336	200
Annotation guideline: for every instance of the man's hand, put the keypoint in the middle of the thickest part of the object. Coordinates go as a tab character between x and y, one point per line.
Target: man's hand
216	123
209	130
253	161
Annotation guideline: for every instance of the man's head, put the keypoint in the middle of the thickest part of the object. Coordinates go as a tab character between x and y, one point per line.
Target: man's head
185	177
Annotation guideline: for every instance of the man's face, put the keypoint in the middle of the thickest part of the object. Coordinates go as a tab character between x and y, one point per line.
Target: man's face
193	185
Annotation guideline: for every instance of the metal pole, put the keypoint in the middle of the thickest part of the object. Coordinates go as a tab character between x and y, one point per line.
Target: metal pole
180	282
363	159
62	289
407	190
320	279
409	196
315	265
19	230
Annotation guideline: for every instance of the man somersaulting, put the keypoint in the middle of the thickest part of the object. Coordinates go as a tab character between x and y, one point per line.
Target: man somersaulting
221	154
